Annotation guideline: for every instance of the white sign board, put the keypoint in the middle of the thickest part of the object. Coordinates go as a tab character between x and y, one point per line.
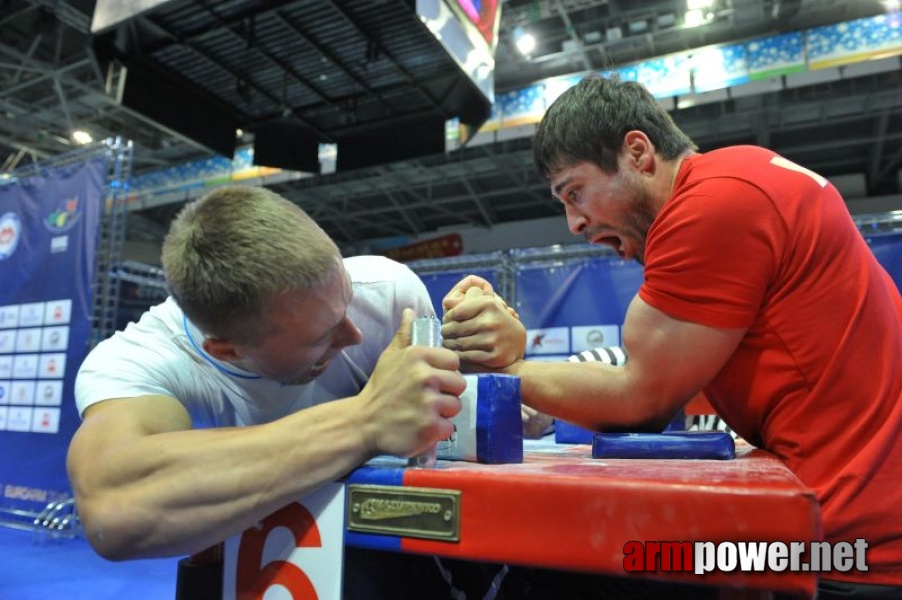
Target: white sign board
295	553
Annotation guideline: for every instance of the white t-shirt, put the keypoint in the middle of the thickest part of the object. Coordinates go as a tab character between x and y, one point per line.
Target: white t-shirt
162	355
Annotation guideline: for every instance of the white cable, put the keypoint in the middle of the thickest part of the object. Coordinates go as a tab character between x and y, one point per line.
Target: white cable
456	594
496	583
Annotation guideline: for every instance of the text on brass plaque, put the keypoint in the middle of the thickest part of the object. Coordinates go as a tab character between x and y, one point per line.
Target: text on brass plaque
429	513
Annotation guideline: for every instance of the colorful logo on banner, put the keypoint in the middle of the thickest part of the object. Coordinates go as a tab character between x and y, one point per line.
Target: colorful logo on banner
45	324
65	216
550	340
10	232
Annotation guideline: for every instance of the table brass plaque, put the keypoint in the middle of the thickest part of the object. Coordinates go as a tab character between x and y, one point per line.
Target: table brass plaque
429	513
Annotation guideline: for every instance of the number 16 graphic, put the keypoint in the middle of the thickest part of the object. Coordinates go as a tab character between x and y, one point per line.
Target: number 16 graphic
252	581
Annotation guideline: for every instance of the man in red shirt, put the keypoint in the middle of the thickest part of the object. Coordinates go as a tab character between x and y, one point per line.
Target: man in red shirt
759	291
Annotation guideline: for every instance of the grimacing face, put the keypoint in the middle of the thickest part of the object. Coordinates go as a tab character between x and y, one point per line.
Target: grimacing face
614	209
306	329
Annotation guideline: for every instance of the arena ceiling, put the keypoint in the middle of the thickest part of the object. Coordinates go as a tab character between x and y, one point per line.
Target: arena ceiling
336	69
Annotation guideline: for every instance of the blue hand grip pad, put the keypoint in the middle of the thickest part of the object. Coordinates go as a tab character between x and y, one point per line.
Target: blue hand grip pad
715	445
489	428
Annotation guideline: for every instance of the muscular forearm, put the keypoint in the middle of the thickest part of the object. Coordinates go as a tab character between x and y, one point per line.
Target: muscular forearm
178	492
593	395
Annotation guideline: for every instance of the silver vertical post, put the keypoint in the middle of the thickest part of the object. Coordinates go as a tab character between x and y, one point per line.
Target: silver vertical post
426	331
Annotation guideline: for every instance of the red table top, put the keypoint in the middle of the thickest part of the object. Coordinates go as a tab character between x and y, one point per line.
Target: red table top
562	509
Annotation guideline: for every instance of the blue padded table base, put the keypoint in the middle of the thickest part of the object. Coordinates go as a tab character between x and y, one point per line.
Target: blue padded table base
712	445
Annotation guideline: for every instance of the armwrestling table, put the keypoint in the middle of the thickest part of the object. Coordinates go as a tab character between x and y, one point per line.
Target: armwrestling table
561	509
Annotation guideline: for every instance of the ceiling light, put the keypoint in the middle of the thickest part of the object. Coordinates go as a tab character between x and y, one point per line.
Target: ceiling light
525	42
667	20
694	18
638	26
698	4
81	137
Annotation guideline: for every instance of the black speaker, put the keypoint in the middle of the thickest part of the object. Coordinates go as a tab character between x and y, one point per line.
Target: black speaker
180	107
286	145
396	140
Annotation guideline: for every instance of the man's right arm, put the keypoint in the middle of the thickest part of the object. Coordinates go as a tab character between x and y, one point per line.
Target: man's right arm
146	484
659	378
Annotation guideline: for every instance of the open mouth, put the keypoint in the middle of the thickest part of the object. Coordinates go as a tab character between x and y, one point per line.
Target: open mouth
318	368
611	241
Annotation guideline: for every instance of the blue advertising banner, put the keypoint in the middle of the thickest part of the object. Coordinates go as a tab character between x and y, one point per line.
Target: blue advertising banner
578	304
574	305
48	237
888	250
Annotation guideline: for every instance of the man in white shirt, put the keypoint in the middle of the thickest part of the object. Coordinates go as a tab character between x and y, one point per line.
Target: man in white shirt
276	367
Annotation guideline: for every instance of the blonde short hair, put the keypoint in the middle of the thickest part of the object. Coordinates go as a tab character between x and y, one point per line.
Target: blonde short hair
229	252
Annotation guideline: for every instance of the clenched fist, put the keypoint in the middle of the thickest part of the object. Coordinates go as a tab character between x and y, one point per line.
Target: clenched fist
411	395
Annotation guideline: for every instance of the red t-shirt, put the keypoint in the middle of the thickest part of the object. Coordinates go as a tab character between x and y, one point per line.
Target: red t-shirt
752	240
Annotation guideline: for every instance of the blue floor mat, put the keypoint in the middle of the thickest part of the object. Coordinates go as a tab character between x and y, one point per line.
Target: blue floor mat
35	568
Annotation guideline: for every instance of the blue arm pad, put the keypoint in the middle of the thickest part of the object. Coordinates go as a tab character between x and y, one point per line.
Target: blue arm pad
716	445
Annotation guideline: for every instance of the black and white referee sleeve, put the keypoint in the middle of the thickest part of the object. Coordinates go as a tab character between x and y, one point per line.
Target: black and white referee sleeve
612	355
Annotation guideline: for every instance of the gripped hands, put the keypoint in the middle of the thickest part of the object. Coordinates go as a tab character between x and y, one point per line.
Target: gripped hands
480	327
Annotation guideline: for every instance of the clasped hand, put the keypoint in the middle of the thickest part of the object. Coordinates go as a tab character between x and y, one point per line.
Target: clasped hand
480	327
487	334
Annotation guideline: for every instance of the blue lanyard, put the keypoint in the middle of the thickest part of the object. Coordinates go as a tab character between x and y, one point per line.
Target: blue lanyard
209	359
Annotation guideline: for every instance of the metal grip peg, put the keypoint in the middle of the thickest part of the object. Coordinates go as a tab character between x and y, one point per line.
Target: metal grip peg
425	331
